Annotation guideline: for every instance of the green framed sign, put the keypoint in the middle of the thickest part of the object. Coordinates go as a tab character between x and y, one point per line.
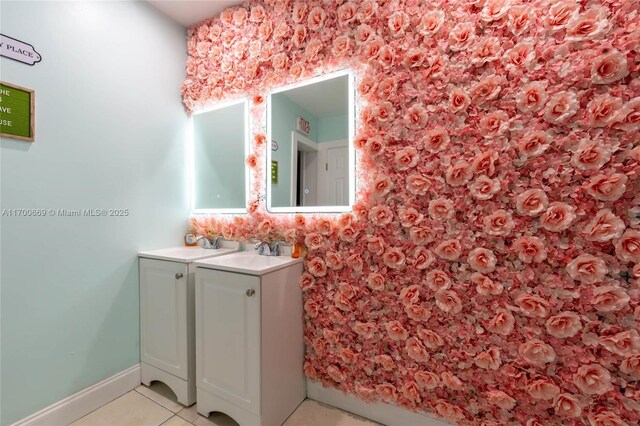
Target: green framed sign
17	112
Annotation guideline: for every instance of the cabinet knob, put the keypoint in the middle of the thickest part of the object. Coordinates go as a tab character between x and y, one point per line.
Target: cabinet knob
251	292
179	275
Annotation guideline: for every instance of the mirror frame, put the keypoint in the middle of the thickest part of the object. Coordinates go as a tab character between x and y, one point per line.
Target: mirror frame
191	158
351	95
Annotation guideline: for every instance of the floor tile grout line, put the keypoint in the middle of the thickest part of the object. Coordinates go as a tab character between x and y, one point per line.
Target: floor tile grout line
157	403
106	403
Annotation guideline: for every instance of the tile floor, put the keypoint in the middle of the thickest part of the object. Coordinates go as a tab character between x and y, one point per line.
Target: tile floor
156	405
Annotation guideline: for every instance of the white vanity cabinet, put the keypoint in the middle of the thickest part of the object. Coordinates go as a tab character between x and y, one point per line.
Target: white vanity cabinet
167	316
249	338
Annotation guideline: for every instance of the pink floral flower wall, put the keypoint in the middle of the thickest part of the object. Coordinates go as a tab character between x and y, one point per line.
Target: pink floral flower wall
489	273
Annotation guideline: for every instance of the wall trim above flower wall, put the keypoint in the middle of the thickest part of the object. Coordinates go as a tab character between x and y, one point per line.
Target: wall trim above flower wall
489	271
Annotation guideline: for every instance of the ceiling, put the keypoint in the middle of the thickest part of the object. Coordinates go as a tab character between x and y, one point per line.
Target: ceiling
327	98
189	12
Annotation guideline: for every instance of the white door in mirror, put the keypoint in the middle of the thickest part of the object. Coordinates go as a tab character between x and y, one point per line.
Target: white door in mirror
337	177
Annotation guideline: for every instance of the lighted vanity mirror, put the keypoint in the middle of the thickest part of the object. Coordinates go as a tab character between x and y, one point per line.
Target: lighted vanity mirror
311	163
220	143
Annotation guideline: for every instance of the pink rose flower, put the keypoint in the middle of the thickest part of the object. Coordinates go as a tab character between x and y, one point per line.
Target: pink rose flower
422	258
316	18
487	49
417	313
495	10
334	261
604	227
375	245
426	380
484	188
396	331
420	236
566	405
448	301
310	371
335	373
418	184
607	187
384	112
365	329
536	352
543	389
449	250
501	399
386	362
482	260
386	56
380	215
458	100
387	87
363	34
314	241
605	418
564	325
437	279
306	281
348	234
312	308
589	25
461	36
416	350
485	286
300	9
628	246
520	57
394	258
299	35
587	269
533	306
343	302
375	146
502	323
609	298
325	227
317	267
592	379
342	46
559	13
416	117
628	117
602	110
409	216
489	360
431	22
375	281
451	381
387	392
520	19
281	31
532	202
609	67
486	89
382	184
624	343
534	143
561	107
494	124
590	155
459	173
406	158
448	411
398	23
410	295
367	10
411	391
498	223
347	13
430	338
441	209
436	139
631	366
558	217
484	163
530	249
312	51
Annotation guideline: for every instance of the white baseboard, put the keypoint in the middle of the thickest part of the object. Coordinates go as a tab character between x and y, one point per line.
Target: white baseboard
386	414
87	400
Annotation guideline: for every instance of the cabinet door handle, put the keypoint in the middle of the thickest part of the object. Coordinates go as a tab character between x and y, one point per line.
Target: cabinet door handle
251	292
179	275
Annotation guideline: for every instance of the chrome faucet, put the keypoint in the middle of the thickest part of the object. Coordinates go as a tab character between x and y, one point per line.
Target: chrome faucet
206	243
276	249
261	246
215	243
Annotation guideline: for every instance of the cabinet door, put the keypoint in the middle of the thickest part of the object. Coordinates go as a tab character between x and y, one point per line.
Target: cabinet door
163	316
228	337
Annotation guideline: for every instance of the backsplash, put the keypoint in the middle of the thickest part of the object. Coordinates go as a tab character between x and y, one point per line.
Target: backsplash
489	271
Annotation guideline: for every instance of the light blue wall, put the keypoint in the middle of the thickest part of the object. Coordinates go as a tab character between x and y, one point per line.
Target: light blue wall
219	143
283	122
110	133
333	128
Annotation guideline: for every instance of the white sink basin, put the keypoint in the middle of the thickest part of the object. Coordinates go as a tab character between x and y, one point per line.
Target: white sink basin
247	263
187	254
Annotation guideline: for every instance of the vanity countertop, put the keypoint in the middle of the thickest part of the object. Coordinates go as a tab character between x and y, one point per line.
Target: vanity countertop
189	254
247	263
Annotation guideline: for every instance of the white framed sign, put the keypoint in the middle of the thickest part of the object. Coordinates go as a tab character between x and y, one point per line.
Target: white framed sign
303	125
18	50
